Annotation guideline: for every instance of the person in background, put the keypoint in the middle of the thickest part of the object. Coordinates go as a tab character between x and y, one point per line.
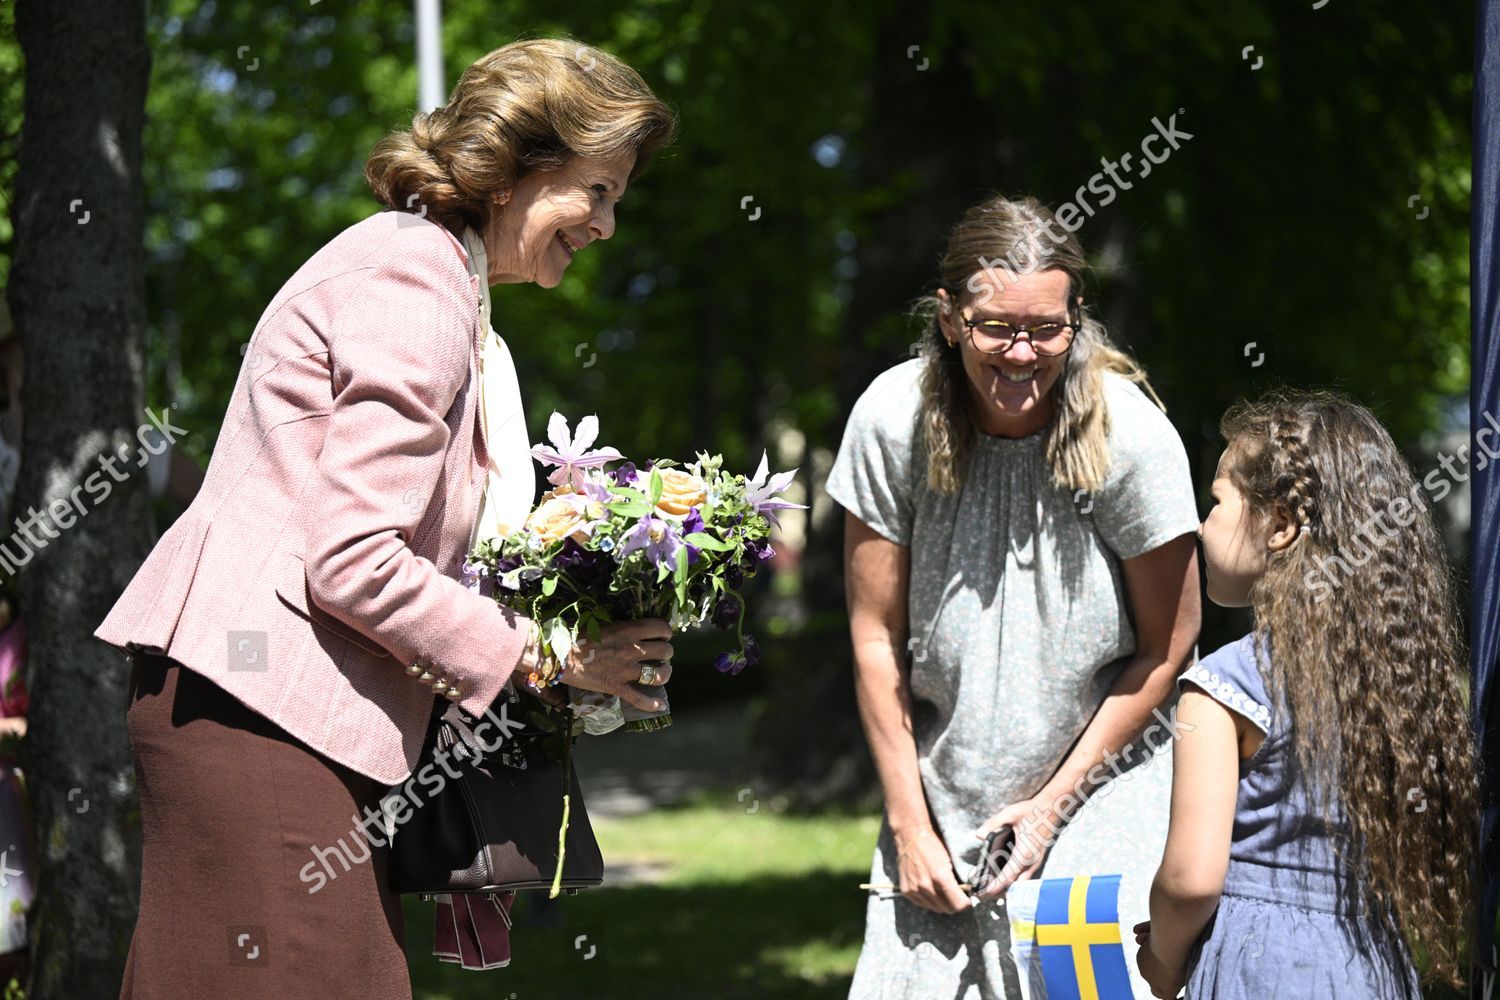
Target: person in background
18	890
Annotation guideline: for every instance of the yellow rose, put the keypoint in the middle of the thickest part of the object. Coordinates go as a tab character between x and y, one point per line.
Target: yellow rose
556	517
680	491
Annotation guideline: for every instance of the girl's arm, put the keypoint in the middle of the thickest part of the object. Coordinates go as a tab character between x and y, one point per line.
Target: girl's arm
1205	785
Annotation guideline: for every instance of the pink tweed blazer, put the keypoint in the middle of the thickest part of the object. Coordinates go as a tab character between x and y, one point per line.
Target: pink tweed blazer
321	557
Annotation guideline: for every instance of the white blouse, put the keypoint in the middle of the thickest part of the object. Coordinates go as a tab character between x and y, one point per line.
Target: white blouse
510	486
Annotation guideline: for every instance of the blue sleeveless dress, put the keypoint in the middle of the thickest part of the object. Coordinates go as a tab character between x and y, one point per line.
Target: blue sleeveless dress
1289	923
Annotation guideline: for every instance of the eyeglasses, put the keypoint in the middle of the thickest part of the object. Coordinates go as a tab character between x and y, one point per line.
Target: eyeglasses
995	336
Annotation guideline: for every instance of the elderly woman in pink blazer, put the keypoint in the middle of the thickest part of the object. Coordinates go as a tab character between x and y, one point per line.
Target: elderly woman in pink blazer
289	631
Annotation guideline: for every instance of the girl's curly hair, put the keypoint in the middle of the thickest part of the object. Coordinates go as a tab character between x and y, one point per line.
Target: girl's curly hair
1365	646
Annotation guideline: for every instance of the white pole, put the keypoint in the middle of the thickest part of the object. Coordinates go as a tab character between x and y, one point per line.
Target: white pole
431	91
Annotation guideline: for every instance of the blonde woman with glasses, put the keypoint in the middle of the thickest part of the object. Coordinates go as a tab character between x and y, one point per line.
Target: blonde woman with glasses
1023	590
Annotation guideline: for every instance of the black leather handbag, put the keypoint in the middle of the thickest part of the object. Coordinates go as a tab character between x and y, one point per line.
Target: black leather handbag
495	827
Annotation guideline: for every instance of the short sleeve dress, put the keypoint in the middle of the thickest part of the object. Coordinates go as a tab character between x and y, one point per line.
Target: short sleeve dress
1019	625
1289	922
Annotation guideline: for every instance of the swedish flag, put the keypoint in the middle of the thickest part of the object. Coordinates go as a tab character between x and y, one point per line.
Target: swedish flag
1076	937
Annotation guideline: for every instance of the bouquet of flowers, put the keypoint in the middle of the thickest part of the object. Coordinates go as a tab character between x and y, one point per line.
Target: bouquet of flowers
665	540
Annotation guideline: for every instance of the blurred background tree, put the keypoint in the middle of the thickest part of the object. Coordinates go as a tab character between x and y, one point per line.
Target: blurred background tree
75	283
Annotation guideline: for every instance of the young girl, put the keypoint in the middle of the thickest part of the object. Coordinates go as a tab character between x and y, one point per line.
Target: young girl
1298	854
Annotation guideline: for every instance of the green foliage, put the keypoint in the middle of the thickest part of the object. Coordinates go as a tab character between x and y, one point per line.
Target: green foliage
11	93
1284	222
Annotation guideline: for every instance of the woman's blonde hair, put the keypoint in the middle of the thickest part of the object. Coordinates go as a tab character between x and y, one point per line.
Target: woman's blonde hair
1011	238
529	105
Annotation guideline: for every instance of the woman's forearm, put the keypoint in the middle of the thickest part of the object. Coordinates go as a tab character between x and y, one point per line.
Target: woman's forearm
1099	753
884	699
1162	589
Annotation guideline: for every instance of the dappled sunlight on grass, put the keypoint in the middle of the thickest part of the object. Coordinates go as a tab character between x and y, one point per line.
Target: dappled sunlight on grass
741	902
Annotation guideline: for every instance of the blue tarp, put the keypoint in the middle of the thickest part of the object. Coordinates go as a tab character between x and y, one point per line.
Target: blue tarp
1484	398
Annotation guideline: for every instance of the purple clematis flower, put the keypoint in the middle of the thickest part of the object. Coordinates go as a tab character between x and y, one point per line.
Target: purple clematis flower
477	578
657	535
761	490
594	490
570	452
733	663
691	523
728	612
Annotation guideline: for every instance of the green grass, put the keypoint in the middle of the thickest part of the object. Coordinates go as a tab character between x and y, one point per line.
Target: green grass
746	904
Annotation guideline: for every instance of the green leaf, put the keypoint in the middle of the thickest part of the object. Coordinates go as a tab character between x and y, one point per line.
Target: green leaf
682	575
630	508
549	585
656	486
663	572
706	541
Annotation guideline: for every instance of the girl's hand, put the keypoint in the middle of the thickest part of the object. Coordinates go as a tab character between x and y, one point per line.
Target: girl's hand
1165	983
1035	824
927	876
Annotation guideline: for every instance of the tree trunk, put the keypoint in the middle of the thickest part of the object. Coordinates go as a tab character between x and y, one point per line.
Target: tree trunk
77	293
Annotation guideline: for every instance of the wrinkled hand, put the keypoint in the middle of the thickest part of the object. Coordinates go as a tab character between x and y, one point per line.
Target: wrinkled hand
927	875
613	663
1165	983
1035	824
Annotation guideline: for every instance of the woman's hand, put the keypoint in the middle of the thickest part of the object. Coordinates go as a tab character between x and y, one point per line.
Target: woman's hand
1035	823
1165	983
927	876
613	663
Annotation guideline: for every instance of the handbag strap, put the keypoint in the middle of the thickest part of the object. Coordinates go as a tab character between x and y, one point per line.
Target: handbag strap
454	733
